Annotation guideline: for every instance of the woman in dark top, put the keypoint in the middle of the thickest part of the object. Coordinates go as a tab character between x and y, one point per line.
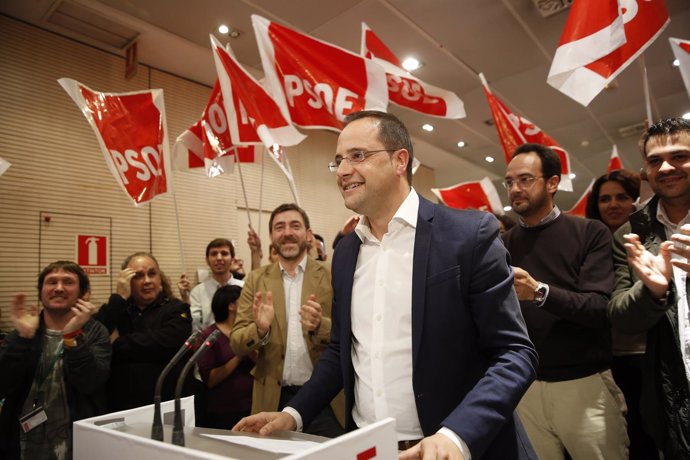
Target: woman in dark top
227	376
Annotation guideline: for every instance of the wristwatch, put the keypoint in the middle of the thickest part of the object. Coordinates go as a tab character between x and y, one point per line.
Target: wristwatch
540	294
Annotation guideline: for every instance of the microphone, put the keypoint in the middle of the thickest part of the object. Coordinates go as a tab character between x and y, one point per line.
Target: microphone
192	343
178	431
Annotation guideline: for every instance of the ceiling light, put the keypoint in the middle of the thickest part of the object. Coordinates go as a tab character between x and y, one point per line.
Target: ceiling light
411	64
507	208
572	175
489	159
427	127
686	116
223	29
676	63
461	144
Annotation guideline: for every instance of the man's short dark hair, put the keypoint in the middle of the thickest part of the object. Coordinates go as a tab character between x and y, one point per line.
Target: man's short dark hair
630	182
68	266
392	133
288	207
550	163
671	128
221	299
219	243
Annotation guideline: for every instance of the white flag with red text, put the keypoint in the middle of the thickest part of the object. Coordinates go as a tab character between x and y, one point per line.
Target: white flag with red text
317	84
600	39
207	143
406	90
481	195
253	115
615	160
580	208
681	50
513	131
131	129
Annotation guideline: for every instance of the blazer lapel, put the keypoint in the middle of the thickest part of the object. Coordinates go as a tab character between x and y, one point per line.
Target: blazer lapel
274	283
422	243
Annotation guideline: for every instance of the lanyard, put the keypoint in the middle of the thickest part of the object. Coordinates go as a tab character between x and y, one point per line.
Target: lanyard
45	371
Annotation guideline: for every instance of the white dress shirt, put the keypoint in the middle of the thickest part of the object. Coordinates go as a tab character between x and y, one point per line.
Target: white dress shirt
201	297
297	367
679	276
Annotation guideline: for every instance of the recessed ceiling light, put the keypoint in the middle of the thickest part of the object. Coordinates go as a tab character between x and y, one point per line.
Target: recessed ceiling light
411	64
427	127
489	159
223	29
507	208
461	144
686	116
676	63
572	175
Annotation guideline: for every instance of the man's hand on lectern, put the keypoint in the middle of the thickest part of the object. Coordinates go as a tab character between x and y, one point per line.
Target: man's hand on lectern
266	423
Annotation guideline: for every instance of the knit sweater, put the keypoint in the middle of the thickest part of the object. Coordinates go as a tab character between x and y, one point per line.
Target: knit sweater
570	330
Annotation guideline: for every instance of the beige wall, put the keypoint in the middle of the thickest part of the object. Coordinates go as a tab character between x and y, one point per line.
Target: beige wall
59	185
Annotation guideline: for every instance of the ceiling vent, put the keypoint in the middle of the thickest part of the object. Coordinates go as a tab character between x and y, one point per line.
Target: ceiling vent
550	7
89	23
632	130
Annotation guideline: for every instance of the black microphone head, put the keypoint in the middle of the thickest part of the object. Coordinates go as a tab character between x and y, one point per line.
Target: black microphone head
212	337
195	340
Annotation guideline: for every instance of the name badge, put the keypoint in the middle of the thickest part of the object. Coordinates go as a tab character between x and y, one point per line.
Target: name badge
33	418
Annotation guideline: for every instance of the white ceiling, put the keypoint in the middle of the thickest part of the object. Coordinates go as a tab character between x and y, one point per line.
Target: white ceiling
508	40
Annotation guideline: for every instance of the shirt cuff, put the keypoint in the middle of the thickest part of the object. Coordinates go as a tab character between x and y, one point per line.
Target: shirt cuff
296	416
457	440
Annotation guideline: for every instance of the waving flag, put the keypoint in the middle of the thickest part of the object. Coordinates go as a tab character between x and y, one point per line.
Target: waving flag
317	84
207	143
600	40
615	161
481	195
681	50
132	132
245	99
580	208
515	131
404	89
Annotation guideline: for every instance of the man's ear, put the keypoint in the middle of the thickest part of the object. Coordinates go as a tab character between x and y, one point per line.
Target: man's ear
552	184
401	158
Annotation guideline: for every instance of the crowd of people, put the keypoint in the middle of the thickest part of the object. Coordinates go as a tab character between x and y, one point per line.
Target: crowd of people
551	337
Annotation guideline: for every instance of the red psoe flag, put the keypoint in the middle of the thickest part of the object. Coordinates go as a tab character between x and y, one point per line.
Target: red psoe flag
615	161
481	195
513	131
246	100
600	39
406	90
132	132
681	50
317	84
580	207
207	143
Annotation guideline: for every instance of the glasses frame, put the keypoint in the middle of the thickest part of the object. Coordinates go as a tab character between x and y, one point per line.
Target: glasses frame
335	164
522	182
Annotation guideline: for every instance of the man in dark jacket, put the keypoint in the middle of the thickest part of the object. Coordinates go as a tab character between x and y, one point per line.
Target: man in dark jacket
147	326
54	367
651	265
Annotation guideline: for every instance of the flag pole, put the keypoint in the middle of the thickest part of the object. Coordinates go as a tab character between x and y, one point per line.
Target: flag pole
291	181
261	188
244	190
645	84
177	221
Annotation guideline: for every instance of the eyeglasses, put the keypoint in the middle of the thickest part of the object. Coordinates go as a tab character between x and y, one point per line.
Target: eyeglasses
354	157
522	182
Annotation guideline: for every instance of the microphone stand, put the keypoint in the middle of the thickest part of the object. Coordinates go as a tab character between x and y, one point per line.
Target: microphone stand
178	431
191	343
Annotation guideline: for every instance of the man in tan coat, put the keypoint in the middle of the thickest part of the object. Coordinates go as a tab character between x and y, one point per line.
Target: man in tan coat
285	312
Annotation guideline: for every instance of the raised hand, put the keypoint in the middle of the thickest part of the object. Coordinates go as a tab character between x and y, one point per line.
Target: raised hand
263	312
185	287
310	314
124	283
24	319
82	310
654	271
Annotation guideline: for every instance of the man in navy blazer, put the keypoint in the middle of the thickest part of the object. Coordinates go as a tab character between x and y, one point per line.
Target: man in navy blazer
426	325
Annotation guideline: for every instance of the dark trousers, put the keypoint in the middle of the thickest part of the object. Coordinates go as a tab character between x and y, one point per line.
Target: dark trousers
325	424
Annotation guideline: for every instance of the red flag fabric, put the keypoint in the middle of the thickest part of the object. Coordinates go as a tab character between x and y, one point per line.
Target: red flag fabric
615	161
207	143
600	40
317	84
579	209
406	90
681	50
244	96
132	131
481	195
514	131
